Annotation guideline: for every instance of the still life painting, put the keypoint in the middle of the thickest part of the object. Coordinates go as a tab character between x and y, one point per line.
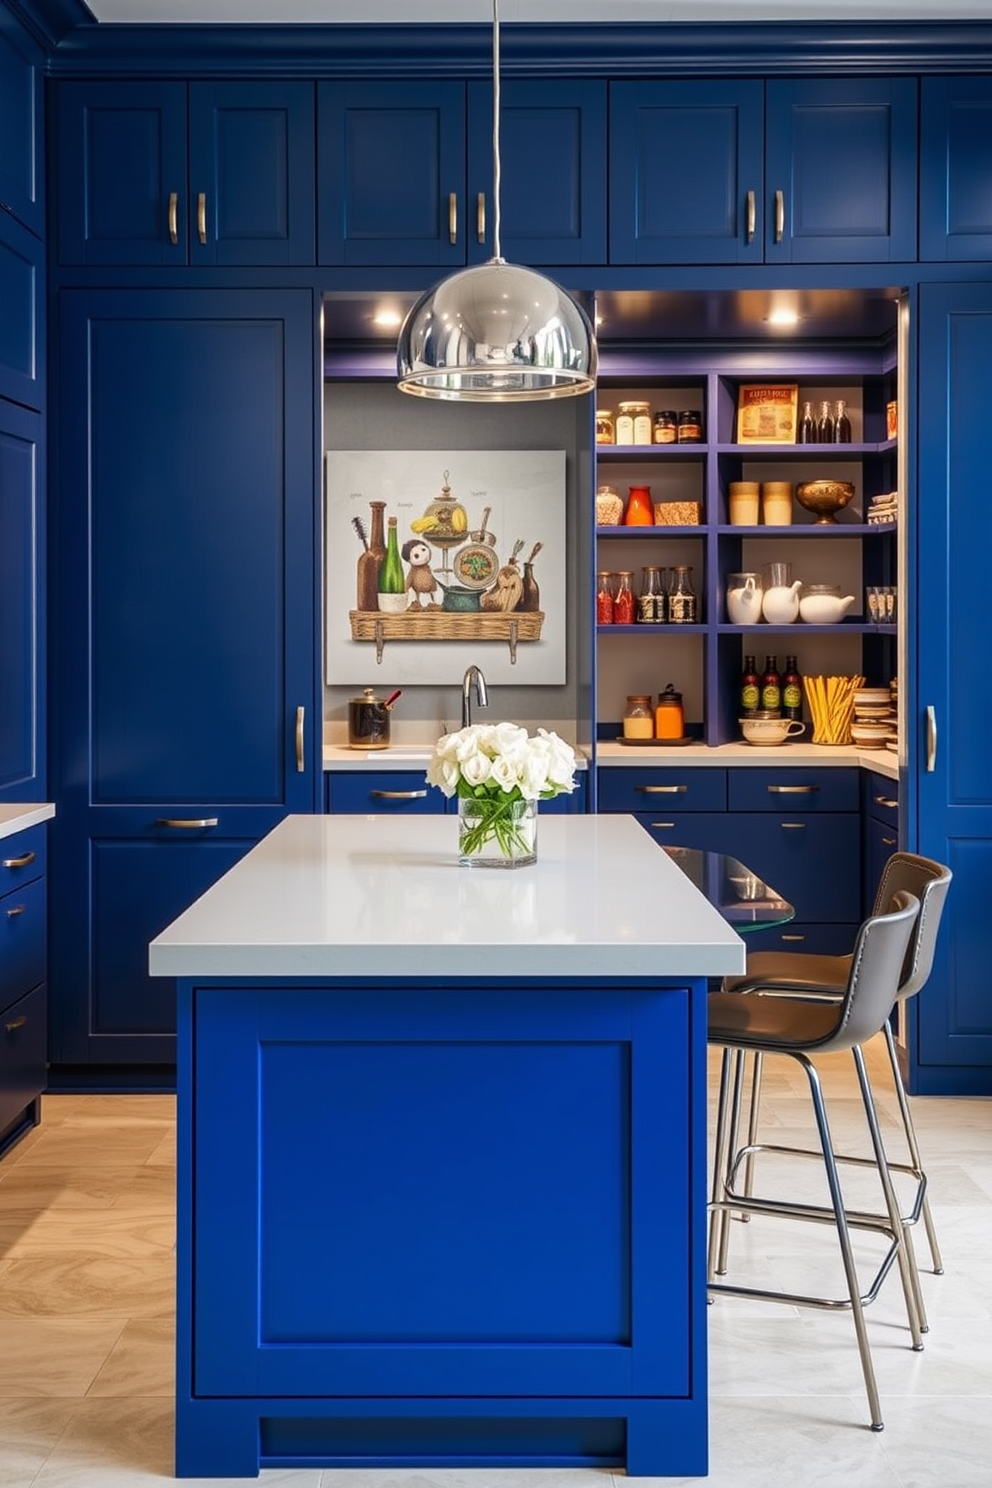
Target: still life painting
445	558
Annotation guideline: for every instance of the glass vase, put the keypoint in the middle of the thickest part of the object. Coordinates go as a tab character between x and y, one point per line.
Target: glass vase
496	832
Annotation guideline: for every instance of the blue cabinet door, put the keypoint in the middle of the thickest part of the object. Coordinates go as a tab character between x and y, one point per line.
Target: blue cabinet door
840	170
22	151
955	168
553	172
391	173
251	173
686	172
22	314
185	614
21	598
950	717
149	175
122	182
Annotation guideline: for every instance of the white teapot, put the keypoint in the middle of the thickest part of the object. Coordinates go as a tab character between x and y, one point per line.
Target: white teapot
780	603
744	591
823	604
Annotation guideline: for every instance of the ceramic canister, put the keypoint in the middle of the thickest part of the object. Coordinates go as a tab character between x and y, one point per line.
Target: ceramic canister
744	497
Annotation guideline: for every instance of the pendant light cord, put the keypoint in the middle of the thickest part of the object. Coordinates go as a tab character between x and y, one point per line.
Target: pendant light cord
497	255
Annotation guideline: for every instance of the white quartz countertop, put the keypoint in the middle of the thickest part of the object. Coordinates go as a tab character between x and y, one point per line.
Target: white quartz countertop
16	815
378	896
415	757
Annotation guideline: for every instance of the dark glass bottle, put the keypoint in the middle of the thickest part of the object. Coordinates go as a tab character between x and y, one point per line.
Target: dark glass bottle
792	691
750	699
530	599
842	424
771	687
807	425
370	561
825	425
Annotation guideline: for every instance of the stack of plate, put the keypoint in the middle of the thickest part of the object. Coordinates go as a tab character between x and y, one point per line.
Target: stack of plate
874	718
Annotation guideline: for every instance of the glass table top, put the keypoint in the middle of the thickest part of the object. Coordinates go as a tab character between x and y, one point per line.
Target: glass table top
745	901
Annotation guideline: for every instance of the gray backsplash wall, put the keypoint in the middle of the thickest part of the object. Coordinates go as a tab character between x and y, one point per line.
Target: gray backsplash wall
373	415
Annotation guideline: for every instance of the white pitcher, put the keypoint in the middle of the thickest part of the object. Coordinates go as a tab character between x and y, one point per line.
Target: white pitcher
780	605
744	591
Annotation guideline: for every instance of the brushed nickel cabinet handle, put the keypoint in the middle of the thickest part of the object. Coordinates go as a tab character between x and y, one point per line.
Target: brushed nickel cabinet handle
779	216
888	841
480	216
885	801
792	790
15	910
793	826
17	1023
931	738
301	763
21	862
188	821
452	217
662	790
384	795
792	937
201	215
663	824
751	218
173	216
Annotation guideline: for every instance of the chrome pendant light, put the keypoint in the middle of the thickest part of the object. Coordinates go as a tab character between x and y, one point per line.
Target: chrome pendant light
497	332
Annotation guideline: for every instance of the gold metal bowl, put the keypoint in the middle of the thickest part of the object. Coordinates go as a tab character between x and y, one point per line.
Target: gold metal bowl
824	497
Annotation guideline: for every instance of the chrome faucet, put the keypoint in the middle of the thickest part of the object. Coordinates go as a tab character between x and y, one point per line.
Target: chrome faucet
473	674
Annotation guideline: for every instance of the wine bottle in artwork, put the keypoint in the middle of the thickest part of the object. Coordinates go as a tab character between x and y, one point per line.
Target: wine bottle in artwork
370	561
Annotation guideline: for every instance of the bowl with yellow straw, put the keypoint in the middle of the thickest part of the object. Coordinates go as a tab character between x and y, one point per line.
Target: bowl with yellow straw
831	707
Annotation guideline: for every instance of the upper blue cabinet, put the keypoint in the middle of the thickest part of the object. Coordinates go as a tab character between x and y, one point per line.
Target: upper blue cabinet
816	170
956	168
21	142
206	174
405	173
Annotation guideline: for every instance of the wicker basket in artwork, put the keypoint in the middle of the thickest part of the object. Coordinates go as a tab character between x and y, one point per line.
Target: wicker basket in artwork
440	625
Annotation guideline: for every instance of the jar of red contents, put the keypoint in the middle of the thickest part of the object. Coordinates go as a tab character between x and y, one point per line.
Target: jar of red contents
624	603
640	507
604	598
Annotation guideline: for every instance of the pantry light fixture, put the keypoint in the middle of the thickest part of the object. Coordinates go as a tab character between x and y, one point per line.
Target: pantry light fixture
496	332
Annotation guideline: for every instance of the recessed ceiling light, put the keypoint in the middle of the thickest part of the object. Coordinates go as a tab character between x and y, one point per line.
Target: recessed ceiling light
389	319
782	315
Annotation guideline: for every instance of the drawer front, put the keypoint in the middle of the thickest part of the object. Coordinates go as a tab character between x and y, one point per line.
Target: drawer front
629	788
881	799
382	792
23	857
814	862
804	935
793	789
22	941
23	1053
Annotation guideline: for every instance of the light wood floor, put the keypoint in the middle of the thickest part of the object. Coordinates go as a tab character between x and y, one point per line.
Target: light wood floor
86	1318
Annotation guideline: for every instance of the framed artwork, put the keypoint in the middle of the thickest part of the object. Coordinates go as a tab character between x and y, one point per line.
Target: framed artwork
435	559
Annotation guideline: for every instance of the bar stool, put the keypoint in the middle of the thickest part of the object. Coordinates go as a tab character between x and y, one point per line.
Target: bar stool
799	1027
792	972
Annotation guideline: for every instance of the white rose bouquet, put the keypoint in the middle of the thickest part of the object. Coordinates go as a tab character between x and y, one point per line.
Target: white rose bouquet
498	771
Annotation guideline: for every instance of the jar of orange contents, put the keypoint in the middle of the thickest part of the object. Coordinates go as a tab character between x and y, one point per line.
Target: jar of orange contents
669	719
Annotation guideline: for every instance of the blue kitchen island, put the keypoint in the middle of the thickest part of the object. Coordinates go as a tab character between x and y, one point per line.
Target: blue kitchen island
442	1151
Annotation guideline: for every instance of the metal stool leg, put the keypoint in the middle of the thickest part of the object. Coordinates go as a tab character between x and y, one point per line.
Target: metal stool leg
914	1148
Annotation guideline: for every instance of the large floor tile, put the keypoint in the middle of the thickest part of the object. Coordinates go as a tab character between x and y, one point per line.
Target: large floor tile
87	1286
141	1362
53	1356
29	1431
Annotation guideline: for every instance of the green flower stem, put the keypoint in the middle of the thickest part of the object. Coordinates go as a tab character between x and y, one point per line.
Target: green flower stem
496	821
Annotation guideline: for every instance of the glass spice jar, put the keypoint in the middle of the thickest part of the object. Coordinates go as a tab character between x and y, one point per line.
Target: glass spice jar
666	426
690	427
651	599
625	423
638	717
624	604
605	433
604	598
682	602
642	422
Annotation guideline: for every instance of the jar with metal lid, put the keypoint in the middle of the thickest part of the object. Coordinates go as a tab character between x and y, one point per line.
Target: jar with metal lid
642	423
633	423
638	717
669	718
666	426
690	428
605	433
604	598
651	596
682	602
